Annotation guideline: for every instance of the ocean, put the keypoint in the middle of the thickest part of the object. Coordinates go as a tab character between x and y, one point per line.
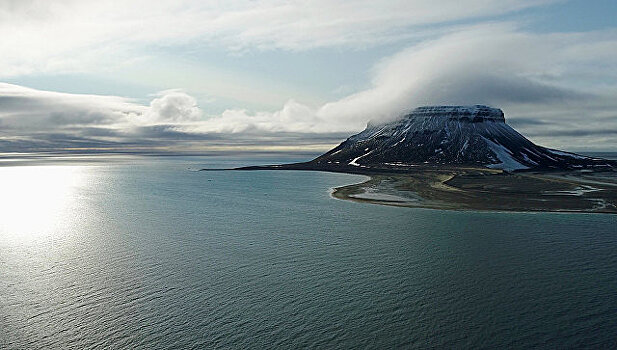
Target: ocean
149	253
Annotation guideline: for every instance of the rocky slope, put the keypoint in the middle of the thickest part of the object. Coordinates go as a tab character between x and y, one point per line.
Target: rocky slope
475	136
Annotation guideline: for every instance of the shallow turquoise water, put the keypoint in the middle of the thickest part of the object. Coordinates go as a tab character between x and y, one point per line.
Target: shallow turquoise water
148	253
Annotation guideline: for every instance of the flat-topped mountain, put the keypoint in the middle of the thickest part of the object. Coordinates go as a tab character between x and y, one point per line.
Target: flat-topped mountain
452	157
475	136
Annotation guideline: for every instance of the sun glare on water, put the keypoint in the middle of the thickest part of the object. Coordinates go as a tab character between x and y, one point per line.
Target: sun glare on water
37	201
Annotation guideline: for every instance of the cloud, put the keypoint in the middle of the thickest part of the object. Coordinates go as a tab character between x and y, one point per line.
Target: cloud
490	64
77	36
531	76
293	117
173	106
561	89
42	121
30	109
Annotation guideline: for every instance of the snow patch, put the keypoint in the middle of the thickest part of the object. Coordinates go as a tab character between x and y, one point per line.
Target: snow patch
528	160
354	162
579	191
404	138
400	164
504	155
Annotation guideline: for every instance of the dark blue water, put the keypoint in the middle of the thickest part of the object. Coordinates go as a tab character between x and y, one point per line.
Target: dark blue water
146	253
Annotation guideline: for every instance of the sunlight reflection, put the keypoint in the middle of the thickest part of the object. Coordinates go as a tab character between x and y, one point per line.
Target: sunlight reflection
36	200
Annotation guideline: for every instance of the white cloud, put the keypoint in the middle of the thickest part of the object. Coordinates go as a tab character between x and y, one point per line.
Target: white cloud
75	36
35	110
528	75
536	78
491	64
173	106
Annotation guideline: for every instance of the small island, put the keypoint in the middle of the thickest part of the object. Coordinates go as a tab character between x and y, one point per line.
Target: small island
464	158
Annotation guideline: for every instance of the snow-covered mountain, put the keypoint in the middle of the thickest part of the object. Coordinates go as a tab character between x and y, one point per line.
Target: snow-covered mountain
450	135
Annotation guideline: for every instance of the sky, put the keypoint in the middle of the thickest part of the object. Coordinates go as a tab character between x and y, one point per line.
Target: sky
273	75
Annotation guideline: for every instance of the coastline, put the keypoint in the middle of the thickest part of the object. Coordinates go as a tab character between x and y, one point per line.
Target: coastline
473	188
451	188
533	192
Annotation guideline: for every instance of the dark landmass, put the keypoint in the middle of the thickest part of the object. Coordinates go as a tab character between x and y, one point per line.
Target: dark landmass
461	188
464	158
476	190
467	136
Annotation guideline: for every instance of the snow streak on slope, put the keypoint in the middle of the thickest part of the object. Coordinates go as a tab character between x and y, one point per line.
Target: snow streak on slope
505	157
354	162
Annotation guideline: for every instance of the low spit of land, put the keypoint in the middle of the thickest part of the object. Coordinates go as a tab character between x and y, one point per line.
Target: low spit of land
460	188
480	189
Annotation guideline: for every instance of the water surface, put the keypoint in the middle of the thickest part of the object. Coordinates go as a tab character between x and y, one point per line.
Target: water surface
148	253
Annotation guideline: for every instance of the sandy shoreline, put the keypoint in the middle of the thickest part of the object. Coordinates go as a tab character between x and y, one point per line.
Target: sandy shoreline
487	191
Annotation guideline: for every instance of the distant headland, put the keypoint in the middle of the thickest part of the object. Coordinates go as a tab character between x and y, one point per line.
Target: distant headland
464	157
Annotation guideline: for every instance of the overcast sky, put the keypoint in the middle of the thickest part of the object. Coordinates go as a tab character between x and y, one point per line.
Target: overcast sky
192	76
